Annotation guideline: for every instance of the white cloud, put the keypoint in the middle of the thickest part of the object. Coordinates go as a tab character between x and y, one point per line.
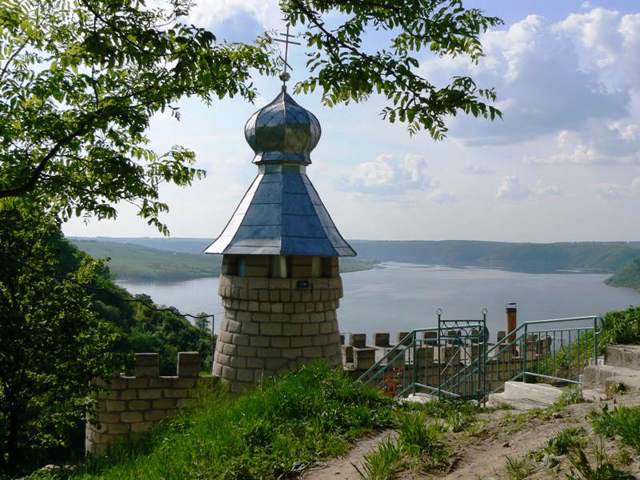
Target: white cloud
377	173
389	174
635	185
512	189
551	77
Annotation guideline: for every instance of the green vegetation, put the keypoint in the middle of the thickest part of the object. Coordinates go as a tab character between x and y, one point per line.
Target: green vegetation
272	432
420	445
519	468
134	262
623	422
382	463
64	322
565	441
621	327
581	468
53	341
628	277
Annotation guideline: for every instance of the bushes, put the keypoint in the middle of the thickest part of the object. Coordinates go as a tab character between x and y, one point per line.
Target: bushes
621	327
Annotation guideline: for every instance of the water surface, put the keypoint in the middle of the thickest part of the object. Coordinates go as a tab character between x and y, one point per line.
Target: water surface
400	297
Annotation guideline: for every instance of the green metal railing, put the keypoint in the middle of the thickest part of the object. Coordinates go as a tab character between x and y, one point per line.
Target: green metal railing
454	359
555	350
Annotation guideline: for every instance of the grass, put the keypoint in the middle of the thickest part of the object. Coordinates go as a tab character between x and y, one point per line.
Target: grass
269	433
565	441
623	422
519	468
603	469
383	463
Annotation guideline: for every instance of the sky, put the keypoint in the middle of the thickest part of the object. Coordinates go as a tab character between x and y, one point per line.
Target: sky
562	165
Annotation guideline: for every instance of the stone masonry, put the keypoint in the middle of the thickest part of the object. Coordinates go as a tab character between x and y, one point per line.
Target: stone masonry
136	403
273	325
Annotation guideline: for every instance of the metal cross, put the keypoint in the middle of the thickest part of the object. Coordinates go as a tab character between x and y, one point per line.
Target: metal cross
286	39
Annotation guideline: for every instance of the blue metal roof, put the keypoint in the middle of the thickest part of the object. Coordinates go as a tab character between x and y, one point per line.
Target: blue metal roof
281	212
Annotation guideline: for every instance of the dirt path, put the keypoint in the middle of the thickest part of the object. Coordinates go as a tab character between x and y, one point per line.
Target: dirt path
480	456
485	457
342	468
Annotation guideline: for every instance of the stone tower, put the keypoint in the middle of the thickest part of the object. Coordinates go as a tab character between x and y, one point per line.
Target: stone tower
280	284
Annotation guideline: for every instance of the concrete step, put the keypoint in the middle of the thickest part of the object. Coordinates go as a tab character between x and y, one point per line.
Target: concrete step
599	377
626	356
498	400
539	392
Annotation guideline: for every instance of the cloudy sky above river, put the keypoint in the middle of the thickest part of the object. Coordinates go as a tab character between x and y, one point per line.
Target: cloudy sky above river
563	164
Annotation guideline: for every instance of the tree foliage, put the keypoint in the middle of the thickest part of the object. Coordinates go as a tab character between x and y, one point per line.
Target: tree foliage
347	65
79	82
53	342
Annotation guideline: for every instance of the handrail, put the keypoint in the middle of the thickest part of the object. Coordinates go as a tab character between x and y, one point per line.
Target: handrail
512	337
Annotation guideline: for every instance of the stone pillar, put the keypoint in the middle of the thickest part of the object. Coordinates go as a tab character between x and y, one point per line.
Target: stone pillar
512	318
272	325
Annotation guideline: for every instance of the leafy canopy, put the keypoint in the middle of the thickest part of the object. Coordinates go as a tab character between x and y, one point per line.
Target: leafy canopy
80	80
346	67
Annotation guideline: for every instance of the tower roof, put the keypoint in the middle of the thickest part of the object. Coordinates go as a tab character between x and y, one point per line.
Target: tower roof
282	131
281	213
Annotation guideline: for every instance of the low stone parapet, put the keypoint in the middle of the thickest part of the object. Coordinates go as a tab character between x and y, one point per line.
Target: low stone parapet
134	404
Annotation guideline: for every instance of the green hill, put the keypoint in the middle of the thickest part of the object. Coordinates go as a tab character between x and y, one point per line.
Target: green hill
628	277
135	262
131	261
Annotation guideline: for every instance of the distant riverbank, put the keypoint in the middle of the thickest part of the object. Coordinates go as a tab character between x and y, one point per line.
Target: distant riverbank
137	263
180	259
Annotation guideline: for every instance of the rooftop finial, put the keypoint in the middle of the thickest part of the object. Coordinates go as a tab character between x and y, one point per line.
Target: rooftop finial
286	39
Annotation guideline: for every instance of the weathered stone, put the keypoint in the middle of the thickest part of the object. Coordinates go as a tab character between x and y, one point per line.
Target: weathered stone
138	404
150	394
131	417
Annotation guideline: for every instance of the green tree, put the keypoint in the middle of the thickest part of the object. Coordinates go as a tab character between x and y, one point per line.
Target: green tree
79	82
53	343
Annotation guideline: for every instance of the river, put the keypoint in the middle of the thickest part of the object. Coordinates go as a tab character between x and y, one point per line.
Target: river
399	297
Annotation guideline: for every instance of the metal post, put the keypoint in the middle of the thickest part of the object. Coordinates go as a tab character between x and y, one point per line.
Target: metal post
524	357
595	340
415	362
439	313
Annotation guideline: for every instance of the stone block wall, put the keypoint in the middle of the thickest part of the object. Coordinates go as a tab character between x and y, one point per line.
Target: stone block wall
272	325
136	403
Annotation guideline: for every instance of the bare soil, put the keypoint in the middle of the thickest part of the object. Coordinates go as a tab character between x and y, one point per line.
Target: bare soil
483	453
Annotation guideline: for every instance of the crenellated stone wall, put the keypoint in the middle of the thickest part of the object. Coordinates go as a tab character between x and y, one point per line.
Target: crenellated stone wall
136	403
272	325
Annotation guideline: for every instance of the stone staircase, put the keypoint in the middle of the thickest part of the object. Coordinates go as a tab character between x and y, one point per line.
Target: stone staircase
620	370
525	396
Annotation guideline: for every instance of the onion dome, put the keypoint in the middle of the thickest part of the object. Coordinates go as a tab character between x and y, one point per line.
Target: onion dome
282	131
